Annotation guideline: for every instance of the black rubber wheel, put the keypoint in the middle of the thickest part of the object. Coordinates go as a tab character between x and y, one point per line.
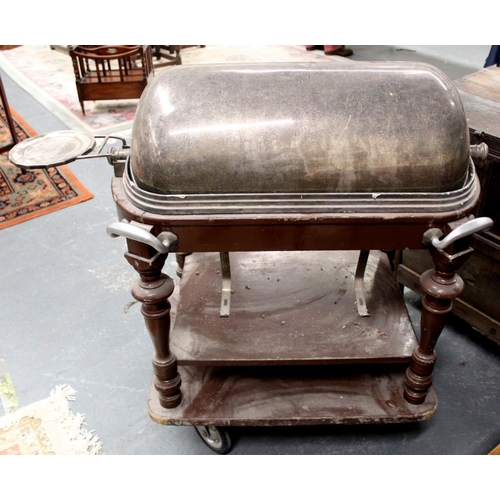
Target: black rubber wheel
216	438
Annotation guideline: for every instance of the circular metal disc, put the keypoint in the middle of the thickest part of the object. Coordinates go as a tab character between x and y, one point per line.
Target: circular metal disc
52	149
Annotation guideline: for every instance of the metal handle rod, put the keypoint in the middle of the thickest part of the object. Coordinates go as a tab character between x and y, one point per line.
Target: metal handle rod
474	226
164	243
112	154
106	139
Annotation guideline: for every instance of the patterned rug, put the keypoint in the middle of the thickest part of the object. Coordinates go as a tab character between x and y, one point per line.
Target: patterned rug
48	76
24	196
47	428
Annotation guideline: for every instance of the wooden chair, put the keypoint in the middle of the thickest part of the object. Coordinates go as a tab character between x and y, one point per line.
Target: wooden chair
168	55
111	71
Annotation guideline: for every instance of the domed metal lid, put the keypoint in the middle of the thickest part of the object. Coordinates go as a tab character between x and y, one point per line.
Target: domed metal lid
237	129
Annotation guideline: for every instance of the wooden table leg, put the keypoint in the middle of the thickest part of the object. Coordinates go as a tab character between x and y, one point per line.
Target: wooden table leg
441	285
180	257
152	289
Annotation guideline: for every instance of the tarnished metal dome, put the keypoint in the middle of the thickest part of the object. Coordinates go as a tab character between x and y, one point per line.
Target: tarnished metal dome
300	128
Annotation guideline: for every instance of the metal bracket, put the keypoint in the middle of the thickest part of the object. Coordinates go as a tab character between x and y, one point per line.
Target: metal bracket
226	285
359	287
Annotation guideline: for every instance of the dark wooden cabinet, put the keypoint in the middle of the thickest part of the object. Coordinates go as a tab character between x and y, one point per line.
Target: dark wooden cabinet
478	305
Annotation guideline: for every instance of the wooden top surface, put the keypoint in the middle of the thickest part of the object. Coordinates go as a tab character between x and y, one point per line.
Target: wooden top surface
480	94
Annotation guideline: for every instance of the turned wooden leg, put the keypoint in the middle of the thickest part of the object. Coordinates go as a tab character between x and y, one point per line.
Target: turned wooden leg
180	257
152	289
441	285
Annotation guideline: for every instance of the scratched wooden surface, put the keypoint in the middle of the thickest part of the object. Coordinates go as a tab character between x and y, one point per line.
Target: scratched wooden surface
480	95
283	396
290	308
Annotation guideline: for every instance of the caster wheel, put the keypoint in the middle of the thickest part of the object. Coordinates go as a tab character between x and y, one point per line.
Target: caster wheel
216	438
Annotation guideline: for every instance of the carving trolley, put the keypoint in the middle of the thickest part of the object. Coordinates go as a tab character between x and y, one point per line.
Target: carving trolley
287	191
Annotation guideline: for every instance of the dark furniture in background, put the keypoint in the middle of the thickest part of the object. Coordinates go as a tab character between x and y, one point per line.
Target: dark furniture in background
169	55
478	305
111	71
8	116
166	55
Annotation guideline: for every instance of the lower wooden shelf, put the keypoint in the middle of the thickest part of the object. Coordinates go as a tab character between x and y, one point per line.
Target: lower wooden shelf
284	396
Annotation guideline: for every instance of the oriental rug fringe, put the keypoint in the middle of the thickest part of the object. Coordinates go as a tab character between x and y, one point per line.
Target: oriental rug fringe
47	428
